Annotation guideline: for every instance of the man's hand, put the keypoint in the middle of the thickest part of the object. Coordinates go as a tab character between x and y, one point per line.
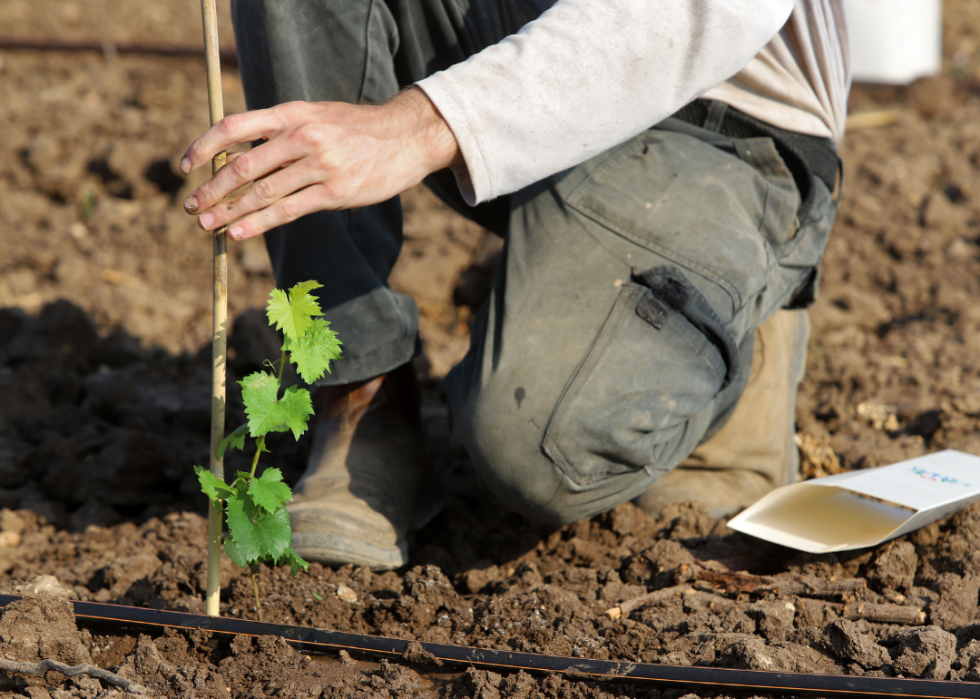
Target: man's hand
317	156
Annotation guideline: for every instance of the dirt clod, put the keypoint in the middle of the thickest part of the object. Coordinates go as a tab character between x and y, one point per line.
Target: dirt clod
925	652
848	643
415	653
957	604
895	566
42	627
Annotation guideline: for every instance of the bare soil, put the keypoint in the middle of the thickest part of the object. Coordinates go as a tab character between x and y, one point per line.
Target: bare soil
104	376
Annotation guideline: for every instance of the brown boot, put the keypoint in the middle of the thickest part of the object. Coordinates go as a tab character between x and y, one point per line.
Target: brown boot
754	452
367	468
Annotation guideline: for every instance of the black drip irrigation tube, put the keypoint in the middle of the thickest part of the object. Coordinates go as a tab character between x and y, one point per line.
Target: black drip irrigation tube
676	676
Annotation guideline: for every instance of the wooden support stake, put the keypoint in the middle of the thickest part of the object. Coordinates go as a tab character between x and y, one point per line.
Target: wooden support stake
220	319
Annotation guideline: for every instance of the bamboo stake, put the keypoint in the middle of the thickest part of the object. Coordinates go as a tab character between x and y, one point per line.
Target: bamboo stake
220	323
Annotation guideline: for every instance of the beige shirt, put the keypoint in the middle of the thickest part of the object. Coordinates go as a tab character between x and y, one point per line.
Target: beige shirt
590	74
801	79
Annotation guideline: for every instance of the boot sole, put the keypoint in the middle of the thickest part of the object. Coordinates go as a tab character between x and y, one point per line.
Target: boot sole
331	549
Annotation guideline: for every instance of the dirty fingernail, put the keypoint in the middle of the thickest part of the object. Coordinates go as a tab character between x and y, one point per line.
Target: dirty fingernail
235	232
185	165
206	220
190	205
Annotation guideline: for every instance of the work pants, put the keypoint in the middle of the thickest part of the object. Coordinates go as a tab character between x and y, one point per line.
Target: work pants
618	335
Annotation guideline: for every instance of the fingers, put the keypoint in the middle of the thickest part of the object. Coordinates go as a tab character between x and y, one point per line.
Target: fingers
245	168
317	156
232	130
263	193
303	202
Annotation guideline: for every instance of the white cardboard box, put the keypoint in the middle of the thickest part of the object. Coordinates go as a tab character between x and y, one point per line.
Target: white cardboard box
894	41
864	508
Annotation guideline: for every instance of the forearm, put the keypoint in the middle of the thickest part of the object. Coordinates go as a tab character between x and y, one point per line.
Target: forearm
413	114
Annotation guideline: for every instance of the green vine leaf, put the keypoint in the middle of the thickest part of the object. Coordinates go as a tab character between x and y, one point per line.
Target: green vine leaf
215	488
298	406
268	490
235	440
240	530
257	533
313	352
293	313
259	393
231	548
266	413
296	563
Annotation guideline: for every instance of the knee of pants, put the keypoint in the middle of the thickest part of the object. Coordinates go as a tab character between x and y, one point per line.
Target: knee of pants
506	452
575	435
514	465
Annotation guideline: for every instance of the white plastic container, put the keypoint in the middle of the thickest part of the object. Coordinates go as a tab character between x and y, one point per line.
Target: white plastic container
895	41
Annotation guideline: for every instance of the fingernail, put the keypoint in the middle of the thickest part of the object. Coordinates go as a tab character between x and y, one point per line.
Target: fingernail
206	220
236	232
185	165
190	205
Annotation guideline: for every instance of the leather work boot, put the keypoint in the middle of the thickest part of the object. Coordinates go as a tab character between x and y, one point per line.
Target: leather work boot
753	453
367	468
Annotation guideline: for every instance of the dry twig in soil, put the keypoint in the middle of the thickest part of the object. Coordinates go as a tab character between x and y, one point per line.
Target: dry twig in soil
689	594
879	613
738	583
71	671
626	608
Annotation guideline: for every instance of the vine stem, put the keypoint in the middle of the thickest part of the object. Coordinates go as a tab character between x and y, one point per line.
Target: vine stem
259	446
282	368
209	16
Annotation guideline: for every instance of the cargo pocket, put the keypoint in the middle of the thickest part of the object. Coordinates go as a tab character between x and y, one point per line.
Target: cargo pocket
692	204
646	373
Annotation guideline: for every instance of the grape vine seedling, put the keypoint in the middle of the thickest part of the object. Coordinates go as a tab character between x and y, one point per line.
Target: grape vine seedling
255	506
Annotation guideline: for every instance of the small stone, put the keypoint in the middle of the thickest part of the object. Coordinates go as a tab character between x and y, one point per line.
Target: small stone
9	540
45	585
346	594
881	417
10	521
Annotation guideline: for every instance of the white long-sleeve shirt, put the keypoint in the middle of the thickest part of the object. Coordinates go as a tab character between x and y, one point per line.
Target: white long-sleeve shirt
589	74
